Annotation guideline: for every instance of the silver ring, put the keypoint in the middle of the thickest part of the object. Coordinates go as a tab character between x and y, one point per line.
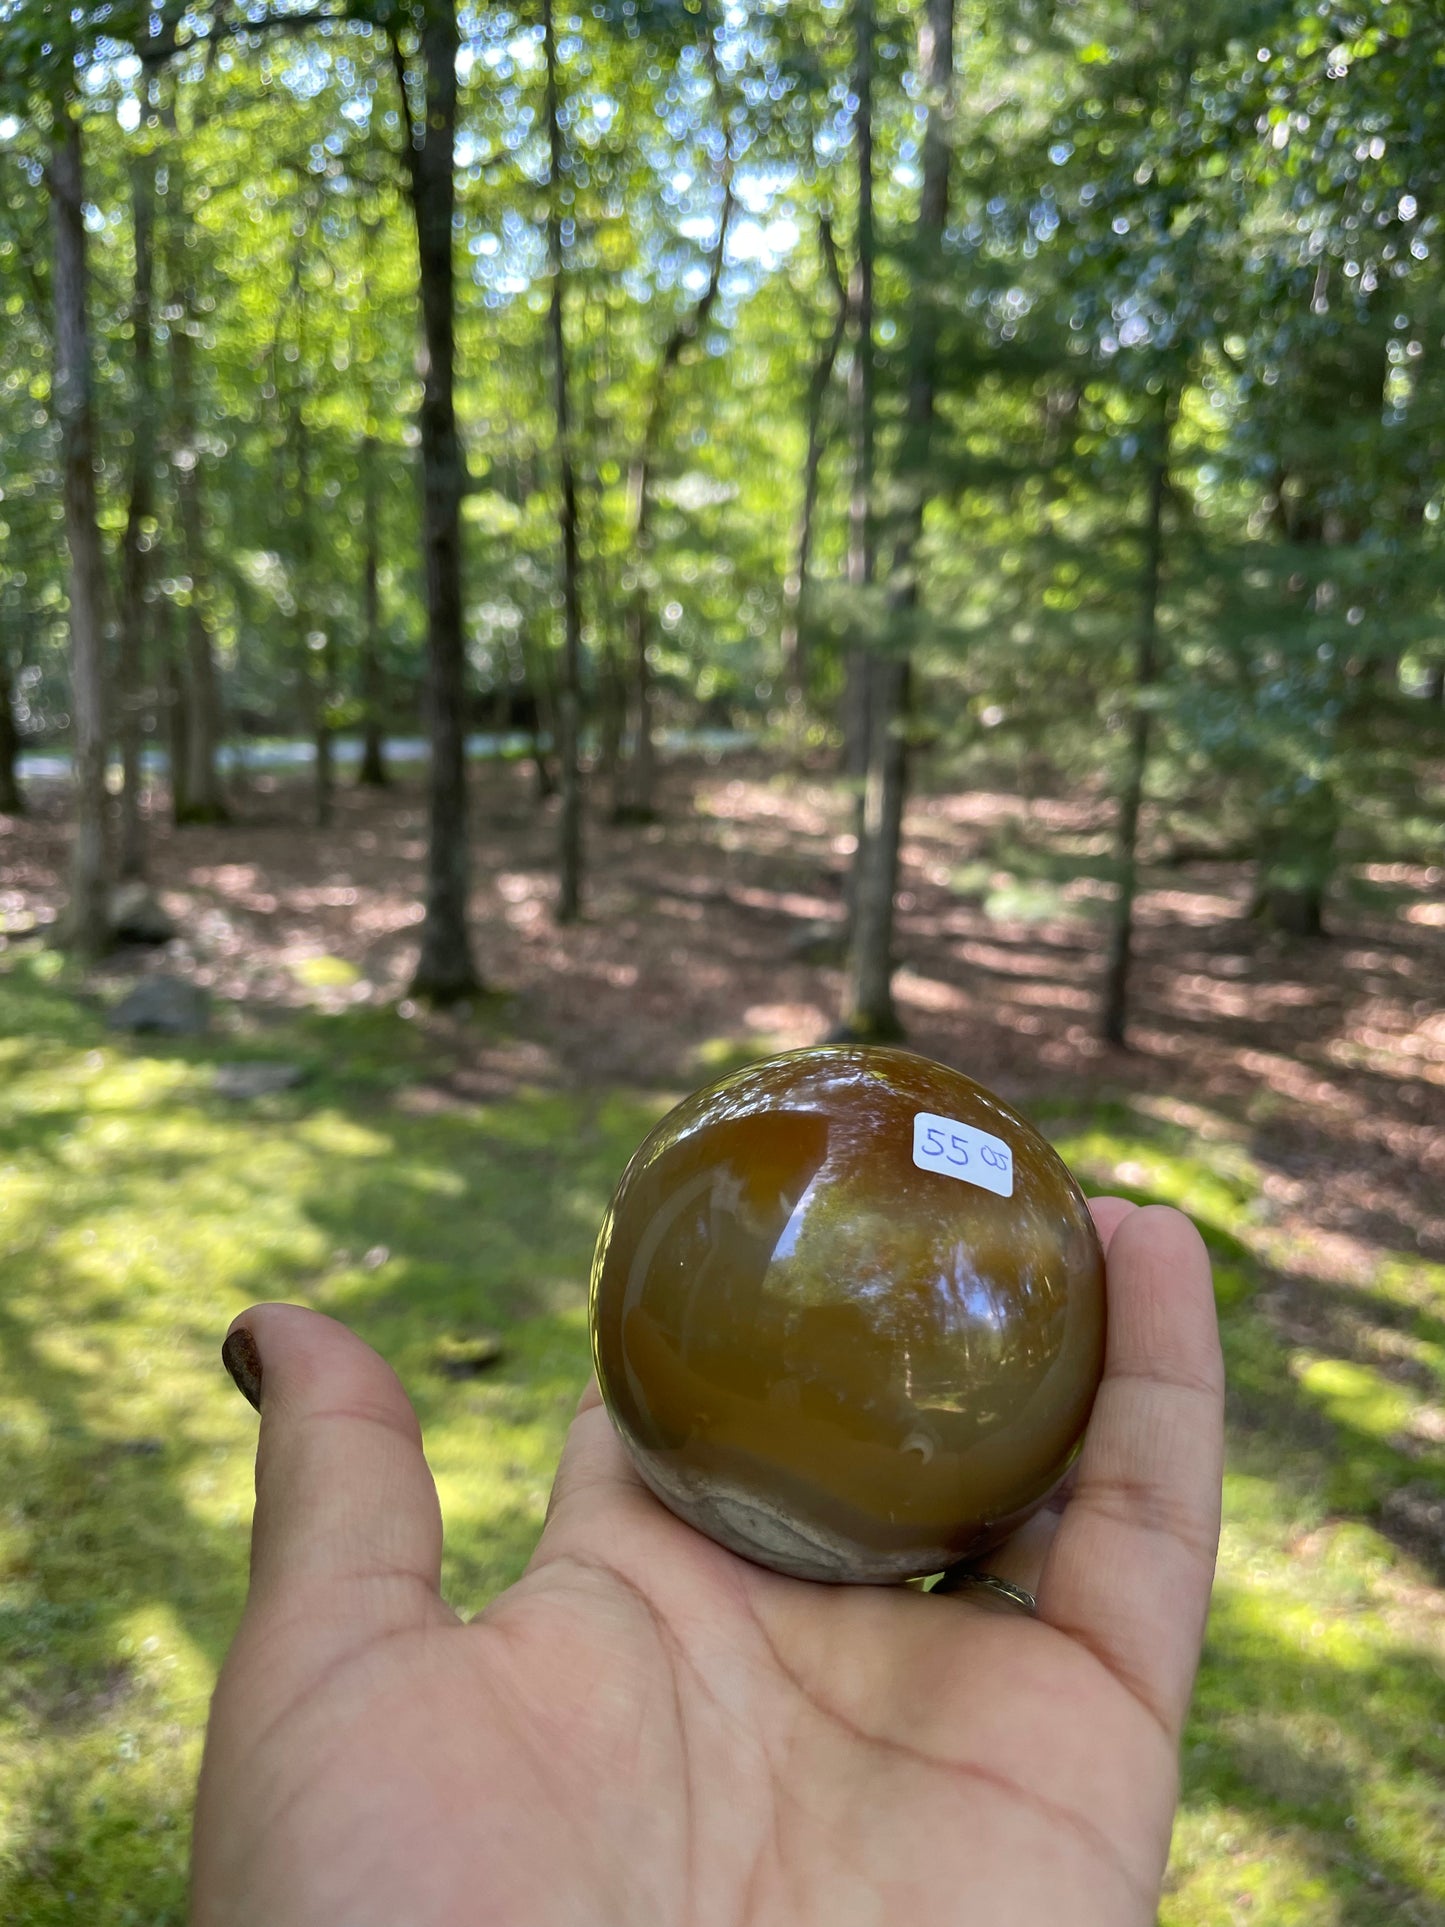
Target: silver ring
957	1580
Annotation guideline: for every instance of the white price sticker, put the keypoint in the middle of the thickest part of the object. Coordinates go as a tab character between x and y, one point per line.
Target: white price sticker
957	1150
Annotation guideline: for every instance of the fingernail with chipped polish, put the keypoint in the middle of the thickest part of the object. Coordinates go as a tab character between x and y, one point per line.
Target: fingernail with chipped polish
243	1362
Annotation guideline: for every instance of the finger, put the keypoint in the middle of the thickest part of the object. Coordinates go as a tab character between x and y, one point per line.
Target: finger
1109	1213
1130	1568
597	1485
347	1523
1021	1557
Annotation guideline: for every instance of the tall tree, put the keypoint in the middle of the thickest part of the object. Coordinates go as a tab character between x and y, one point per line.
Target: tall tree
569	689
12	797
869	1010
636	800
87	924
130	662
862	548
371	773
313	640
1114	1013
795	584
445	970
201	798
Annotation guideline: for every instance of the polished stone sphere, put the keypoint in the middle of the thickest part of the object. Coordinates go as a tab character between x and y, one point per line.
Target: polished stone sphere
848	1314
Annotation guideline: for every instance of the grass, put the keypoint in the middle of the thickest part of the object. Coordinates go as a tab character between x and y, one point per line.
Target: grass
139	1211
1315	1758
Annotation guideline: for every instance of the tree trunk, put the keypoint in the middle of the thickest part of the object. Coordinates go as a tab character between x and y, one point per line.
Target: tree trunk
544	721
639	773
87	923
870	1011
12	799
201	798
444	971
857	691
870	1014
1295	911
1295	839
176	706
795	586
1114	1017
611	723
569	899
313	663
134	558
636	803
322	737
372	773
1296	862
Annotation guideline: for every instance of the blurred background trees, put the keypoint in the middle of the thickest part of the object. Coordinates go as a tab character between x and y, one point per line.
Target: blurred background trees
1062	381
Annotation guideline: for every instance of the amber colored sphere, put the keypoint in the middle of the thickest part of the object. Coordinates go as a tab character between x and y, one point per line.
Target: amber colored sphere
848	1314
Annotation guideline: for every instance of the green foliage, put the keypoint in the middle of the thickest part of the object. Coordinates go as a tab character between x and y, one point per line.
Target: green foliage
1205	211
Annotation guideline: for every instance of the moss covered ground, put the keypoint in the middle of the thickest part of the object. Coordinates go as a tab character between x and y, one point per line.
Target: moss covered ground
139	1211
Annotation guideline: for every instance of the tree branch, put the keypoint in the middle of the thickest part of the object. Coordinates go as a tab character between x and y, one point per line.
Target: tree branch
831	261
398	67
155	50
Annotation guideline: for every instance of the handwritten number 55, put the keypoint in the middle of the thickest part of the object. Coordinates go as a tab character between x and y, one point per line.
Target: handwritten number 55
934	1146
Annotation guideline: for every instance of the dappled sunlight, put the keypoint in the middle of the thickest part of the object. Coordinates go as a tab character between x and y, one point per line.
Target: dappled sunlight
1055	996
787	1026
1197	909
1231	1866
510	523
1293	1079
131	1241
1202	1122
1259	1004
1003	962
927	993
1356	1396
1305	1722
436	1180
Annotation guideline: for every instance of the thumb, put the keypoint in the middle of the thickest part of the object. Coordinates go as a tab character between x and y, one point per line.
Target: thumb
347	1534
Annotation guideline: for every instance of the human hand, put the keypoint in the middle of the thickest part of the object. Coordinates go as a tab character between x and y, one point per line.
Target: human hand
646	1730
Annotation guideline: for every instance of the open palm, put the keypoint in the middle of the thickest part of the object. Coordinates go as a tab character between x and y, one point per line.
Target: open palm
648	1730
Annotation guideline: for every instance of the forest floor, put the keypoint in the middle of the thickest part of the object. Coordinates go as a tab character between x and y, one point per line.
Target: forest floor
437	1180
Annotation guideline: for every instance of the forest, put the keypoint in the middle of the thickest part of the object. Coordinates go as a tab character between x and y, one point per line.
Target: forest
1050	378
547	550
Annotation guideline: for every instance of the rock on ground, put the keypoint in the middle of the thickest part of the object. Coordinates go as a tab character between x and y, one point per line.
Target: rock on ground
167	1006
137	915
256	1080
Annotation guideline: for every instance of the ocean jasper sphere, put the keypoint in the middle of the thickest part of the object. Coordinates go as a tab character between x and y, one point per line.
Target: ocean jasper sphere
848	1314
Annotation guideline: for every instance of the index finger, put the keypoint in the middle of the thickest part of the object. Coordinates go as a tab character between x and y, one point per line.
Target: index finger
1131	1566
